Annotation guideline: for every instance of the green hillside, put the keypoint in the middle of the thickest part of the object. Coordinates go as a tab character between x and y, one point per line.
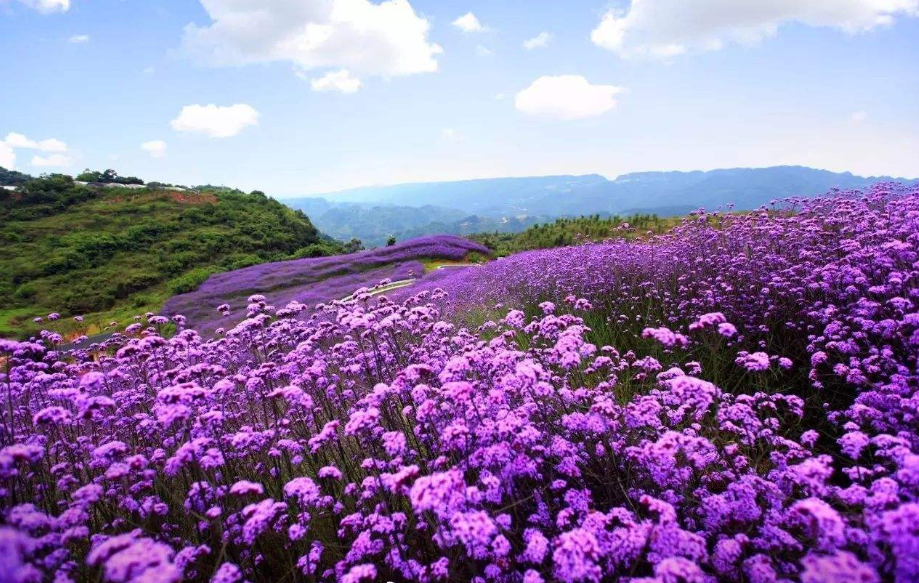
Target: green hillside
110	252
570	231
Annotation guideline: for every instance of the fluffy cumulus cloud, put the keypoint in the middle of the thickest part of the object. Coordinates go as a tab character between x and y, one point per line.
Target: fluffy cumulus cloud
14	141
367	38
539	41
341	81
20	141
52	161
665	28
156	148
215	121
79	39
566	97
47	6
468	23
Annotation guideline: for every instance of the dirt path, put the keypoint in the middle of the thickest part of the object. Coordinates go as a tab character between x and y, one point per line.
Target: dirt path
385	288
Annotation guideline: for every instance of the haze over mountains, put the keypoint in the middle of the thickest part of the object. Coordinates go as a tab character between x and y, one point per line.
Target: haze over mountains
512	204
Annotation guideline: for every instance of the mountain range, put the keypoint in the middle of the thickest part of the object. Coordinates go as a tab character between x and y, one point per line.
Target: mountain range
374	213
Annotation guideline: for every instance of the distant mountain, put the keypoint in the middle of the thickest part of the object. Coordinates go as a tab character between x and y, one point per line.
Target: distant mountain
745	188
374	224
578	195
513	204
488	196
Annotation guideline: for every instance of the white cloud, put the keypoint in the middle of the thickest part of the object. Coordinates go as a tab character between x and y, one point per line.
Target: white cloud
468	23
156	148
52	161
214	121
483	51
859	116
340	81
666	28
19	141
369	38
15	140
51	145
7	156
566	97
78	39
539	41
47	6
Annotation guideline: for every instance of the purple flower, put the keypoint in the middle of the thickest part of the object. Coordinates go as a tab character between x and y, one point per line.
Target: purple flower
576	557
361	421
128	558
227	573
841	567
537	546
303	489
441	493
755	362
360	573
727	330
666	337
260	517
245	487
330	472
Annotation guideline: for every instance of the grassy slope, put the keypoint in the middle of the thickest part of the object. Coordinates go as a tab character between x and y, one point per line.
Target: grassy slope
571	231
117	252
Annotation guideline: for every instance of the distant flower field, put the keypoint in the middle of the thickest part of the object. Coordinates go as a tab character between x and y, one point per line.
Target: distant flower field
735	400
313	280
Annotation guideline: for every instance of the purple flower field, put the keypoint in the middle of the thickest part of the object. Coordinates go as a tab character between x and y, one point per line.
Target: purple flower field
737	400
312	280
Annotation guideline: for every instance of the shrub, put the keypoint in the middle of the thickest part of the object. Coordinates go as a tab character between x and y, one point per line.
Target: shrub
190	281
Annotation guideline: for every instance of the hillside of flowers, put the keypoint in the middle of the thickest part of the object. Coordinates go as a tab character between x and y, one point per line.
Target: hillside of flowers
736	400
312	280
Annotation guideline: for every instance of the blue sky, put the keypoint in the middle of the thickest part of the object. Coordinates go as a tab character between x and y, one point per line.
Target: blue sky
616	88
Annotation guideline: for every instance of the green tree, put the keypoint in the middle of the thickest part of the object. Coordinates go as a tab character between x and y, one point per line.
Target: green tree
354	245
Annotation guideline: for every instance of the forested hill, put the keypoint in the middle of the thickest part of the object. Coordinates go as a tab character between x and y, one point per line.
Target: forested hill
111	251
